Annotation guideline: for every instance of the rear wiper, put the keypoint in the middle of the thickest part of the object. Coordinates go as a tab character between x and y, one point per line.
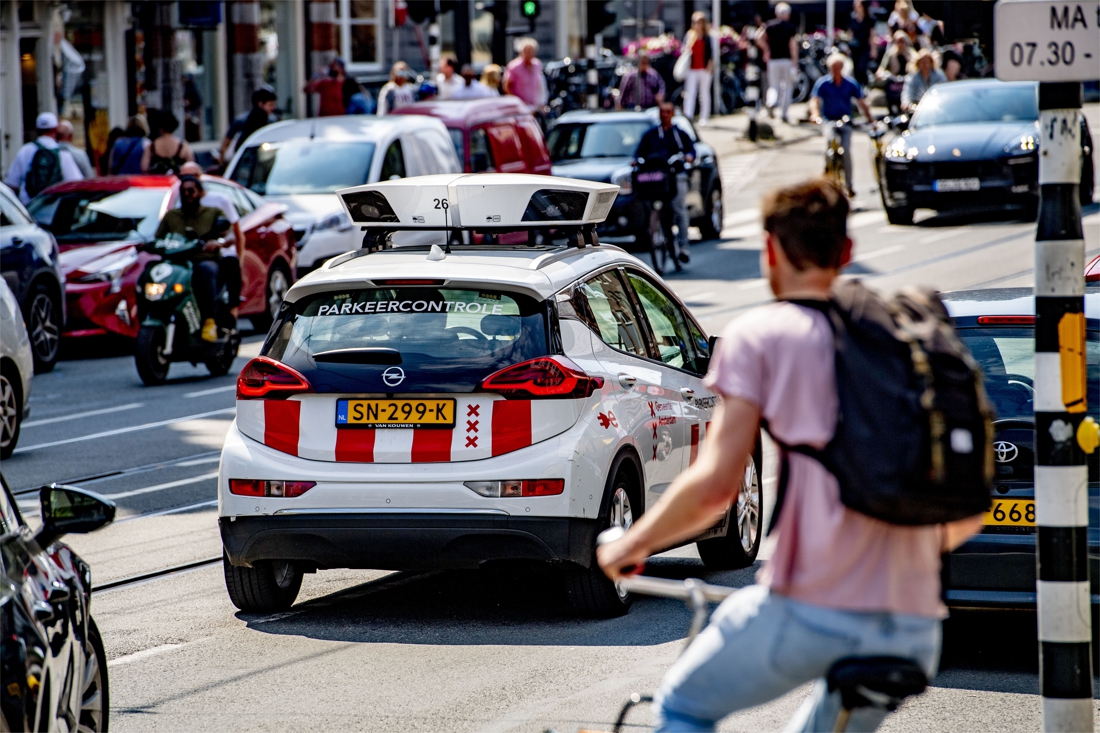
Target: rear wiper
363	355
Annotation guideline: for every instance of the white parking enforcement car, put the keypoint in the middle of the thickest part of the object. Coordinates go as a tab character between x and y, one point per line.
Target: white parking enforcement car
507	393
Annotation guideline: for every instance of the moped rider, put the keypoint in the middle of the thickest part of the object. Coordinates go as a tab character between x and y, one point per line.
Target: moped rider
661	143
192	215
838	583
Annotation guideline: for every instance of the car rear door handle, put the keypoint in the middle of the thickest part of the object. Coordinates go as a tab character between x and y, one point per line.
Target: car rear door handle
626	381
687	393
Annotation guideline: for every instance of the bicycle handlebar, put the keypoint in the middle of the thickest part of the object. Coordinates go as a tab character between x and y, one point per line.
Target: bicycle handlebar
685	590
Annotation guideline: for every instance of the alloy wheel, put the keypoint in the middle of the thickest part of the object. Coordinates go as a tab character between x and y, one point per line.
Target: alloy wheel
91	702
44	332
277	285
621	516
716	215
285	574
9	411
748	507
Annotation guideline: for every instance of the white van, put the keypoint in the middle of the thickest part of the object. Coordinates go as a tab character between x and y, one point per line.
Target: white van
301	163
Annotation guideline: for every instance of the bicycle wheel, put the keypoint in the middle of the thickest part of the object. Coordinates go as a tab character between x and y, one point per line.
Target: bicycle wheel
658	242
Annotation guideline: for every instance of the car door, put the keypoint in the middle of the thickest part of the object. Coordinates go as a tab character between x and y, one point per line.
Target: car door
506	150
17	241
533	146
685	355
642	405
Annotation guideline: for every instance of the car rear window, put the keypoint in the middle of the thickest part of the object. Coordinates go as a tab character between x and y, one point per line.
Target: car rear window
447	339
99	216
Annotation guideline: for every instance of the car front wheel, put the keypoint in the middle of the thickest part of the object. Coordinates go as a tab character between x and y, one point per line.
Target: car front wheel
278	283
11	411
712	223
43	319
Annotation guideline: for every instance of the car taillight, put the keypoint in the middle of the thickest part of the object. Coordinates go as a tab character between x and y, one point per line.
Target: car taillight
546	377
1006	320
266	379
517	487
260	487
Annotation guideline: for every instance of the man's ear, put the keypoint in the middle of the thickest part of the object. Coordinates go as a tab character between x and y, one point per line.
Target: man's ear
770	244
846	254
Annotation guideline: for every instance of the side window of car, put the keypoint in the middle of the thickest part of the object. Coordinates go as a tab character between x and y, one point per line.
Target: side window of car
244	206
610	306
10	215
481	156
242	173
667	323
393	165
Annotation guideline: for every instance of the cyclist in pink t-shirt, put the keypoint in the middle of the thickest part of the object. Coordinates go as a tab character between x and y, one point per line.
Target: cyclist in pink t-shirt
838	583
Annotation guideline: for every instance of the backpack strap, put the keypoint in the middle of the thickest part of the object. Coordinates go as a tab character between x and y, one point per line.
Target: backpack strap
785	450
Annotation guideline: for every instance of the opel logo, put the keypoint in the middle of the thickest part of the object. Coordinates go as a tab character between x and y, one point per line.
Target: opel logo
1005	452
393	376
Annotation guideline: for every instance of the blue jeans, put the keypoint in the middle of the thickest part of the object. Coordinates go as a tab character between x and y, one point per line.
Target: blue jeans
760	646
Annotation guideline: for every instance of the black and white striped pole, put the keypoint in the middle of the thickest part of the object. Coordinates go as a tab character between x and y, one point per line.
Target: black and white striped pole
1064	435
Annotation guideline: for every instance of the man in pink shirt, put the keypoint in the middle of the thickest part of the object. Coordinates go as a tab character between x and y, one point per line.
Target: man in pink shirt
839	583
523	76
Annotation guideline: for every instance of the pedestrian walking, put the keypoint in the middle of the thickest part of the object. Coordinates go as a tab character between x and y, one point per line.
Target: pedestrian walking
330	89
923	74
167	152
447	80
700	45
523	76
491	77
641	87
41	163
397	92
861	29
471	87
261	114
130	154
780	45
839	583
65	140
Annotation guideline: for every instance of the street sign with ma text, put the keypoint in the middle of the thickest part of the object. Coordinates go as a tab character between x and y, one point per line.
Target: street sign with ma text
1039	40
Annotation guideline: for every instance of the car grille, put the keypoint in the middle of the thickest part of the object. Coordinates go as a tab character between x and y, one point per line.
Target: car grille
923	174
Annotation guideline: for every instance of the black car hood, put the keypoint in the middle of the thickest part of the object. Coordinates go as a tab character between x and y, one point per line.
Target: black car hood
589	169
983	141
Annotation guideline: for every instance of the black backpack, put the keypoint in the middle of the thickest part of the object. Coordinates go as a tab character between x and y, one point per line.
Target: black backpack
913	442
44	170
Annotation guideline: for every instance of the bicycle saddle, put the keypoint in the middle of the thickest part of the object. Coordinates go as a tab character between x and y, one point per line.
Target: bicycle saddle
876	681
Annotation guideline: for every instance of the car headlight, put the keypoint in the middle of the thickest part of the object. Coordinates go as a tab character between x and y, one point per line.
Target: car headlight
333	222
112	269
1023	144
898	153
621	178
154	291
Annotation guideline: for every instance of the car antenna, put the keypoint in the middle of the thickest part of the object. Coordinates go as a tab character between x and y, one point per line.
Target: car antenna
313	130
447	224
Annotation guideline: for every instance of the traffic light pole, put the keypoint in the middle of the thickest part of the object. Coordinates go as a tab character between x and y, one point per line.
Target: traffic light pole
1063	434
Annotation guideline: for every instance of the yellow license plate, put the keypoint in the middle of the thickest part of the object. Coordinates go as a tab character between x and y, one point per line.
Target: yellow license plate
1011	513
395	413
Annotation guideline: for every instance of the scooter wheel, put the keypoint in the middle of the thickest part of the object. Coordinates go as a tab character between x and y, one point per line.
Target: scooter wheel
152	366
222	361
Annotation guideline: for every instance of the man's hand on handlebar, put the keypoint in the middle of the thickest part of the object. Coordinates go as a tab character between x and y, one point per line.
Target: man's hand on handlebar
213	246
621	558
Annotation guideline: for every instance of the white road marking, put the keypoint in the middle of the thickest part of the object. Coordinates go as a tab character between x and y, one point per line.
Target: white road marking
749	284
214	390
744	216
940	236
698	297
880	252
162	487
79	415
200	461
174	510
143	654
131	429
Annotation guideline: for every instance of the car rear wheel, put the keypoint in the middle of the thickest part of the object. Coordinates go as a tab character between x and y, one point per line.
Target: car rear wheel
590	592
278	283
712	224
11	410
95	696
267	586
899	215
152	365
739	547
43	319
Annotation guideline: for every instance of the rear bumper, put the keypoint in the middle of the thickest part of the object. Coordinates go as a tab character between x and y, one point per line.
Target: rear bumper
1004	579
406	540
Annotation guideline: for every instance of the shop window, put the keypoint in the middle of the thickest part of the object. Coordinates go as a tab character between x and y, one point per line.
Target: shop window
359	24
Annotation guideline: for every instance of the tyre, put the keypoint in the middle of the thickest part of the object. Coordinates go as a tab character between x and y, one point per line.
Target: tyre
899	215
658	242
711	226
267	586
278	282
95	702
11	410
152	365
739	547
222	361
43	318
589	591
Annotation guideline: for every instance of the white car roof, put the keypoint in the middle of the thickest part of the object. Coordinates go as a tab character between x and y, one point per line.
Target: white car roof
347	127
540	272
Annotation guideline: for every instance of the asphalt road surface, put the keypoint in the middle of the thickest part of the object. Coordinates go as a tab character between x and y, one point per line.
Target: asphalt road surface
493	650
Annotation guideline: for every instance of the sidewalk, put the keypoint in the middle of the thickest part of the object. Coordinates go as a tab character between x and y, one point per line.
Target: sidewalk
728	134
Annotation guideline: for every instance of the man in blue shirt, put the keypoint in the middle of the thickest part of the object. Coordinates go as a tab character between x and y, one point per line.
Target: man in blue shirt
831	100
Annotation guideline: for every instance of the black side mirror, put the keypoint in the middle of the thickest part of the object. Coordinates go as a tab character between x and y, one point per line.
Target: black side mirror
71	510
712	343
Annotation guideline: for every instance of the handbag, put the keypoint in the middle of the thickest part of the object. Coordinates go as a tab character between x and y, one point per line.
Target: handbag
683	65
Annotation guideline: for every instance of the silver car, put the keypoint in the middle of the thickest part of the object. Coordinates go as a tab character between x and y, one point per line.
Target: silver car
16	370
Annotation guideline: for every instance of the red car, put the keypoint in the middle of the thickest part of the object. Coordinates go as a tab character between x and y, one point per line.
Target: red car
494	135
100	223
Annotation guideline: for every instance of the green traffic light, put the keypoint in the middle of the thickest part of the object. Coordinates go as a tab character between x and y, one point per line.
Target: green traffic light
530	8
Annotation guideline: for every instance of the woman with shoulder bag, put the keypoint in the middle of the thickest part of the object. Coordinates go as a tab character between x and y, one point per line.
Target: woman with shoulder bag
699	47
